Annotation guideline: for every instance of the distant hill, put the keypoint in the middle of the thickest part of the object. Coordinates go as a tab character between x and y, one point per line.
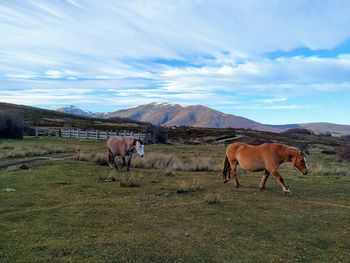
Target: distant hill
38	117
168	114
196	116
324	127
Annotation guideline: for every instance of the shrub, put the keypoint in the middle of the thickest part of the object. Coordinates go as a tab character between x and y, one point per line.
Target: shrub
345	138
344	152
11	125
298	131
253	141
304	146
328	151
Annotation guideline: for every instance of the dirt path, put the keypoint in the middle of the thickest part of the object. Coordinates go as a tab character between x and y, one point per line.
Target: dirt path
27	163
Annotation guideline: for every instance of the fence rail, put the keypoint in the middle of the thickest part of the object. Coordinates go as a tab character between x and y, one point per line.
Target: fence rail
96	134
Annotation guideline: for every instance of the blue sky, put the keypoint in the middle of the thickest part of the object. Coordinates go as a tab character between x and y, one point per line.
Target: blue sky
274	61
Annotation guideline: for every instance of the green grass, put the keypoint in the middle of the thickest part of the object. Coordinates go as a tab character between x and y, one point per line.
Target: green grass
62	211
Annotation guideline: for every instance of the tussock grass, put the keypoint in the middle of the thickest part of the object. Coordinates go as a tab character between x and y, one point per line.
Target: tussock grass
130	181
189	186
7	147
40	149
91	156
323	170
213	198
171	162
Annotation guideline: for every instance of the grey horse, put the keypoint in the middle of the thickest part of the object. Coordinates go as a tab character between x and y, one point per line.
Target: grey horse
124	147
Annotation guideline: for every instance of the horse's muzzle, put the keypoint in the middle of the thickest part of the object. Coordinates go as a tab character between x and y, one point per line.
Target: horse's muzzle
305	173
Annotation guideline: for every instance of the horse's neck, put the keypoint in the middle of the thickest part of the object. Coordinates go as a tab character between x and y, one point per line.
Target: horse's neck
287	154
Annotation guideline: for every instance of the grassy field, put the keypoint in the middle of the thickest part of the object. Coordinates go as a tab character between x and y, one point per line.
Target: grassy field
82	211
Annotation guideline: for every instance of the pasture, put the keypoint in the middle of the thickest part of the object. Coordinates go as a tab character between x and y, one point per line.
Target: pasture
172	207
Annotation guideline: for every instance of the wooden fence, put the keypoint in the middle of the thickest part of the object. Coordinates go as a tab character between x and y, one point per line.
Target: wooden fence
96	134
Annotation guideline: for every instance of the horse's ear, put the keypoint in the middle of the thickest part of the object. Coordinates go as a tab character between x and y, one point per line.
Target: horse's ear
134	142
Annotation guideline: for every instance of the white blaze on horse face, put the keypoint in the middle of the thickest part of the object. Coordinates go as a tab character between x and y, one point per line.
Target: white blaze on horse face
305	161
140	149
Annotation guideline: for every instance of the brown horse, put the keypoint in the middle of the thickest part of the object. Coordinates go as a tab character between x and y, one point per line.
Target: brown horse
124	147
264	157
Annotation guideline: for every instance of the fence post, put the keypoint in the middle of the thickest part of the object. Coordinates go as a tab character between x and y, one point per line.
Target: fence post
97	133
78	134
36	132
69	134
124	133
87	134
131	134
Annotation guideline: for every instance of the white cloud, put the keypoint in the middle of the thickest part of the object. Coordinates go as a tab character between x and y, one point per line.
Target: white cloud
126	52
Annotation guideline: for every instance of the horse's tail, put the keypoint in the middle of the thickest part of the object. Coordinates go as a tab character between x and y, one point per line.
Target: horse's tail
225	173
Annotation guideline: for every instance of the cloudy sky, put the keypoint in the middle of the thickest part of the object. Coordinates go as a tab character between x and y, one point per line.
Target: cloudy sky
272	61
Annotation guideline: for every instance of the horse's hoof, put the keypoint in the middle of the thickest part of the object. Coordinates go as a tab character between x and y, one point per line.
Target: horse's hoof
225	181
288	192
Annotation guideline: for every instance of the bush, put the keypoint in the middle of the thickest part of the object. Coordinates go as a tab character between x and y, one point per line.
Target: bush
11	126
344	152
345	138
253	141
328	151
304	146
298	131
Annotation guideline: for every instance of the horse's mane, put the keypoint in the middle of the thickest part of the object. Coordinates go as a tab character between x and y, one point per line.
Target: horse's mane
286	151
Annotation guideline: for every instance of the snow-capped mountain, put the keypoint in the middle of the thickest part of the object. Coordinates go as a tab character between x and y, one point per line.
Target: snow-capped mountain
76	111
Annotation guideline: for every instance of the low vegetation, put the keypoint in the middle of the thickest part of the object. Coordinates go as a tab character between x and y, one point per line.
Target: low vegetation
344	152
78	211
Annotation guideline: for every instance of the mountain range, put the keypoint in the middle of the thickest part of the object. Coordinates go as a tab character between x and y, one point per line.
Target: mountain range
168	114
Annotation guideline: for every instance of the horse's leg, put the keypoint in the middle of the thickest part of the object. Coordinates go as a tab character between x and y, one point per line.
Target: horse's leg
234	173
128	164
111	161
264	179
123	159
281	181
115	164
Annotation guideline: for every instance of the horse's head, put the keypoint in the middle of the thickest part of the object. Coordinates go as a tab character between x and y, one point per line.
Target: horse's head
300	162
139	147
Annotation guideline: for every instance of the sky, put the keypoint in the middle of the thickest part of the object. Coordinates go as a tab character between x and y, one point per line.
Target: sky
275	62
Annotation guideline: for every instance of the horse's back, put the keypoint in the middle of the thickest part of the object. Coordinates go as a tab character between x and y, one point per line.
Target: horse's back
251	157
119	145
115	144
